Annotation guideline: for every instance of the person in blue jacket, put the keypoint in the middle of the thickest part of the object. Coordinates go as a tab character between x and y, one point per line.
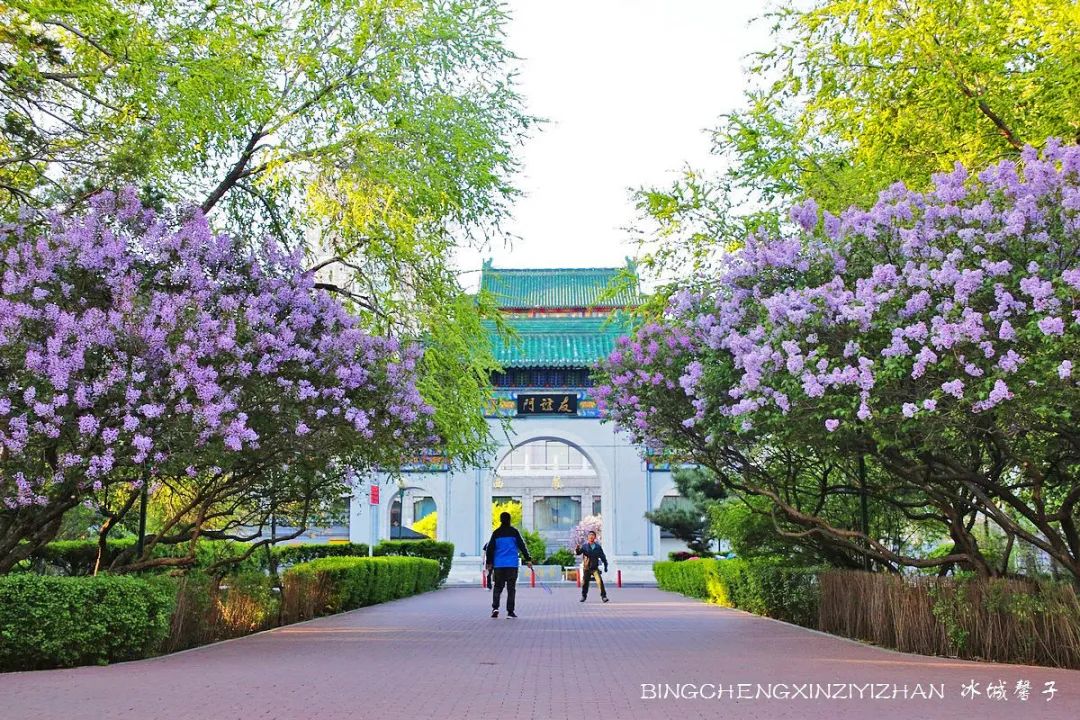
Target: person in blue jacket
502	558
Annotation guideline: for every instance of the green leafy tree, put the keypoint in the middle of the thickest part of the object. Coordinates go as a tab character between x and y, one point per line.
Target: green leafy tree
688	520
855	95
883	358
868	93
376	136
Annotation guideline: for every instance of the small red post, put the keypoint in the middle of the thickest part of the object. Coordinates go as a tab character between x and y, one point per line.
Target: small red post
578	574
483	579
618	578
532	579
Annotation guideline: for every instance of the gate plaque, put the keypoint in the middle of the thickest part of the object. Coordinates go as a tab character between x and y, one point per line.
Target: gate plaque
547	404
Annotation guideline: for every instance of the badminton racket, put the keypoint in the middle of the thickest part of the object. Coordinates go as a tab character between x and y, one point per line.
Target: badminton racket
540	582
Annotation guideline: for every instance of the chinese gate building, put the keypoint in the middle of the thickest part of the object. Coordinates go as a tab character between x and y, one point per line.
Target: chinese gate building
558	459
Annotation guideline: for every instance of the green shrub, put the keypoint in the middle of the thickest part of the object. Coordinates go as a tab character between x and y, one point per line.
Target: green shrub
726	585
535	543
776	591
442	552
562	557
209	609
347	583
48	622
71	557
210	552
74	558
762	587
293	554
693	578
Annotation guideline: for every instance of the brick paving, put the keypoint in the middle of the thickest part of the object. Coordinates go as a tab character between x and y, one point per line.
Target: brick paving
440	656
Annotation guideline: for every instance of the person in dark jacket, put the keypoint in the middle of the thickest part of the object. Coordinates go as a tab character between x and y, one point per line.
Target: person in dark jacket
592	555
502	559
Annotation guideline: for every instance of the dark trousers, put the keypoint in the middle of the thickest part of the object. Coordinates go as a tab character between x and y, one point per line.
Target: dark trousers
599	581
504	576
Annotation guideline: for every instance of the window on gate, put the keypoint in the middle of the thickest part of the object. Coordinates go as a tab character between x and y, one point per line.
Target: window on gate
549	455
556	513
423	507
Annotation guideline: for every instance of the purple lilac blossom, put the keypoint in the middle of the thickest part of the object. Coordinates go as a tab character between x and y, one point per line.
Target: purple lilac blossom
958	290
162	345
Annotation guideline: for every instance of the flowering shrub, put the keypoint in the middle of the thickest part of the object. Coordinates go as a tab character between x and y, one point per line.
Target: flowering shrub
137	349
427	525
511	506
579	535
934	333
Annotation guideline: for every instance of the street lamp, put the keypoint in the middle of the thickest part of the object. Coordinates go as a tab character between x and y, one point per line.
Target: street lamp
401	507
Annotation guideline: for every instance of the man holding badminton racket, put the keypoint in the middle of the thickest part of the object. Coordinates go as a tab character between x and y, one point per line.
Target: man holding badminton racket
591	557
502	557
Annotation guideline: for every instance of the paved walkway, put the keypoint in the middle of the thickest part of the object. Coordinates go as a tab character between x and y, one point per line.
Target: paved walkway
439	656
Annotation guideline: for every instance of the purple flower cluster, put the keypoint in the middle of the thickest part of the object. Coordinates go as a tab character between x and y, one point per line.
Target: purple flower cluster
579	535
133	345
962	299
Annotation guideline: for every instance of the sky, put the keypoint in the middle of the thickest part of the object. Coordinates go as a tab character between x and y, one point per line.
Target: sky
628	89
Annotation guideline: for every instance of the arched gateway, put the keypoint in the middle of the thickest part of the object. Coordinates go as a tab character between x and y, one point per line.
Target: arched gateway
556	484
559	460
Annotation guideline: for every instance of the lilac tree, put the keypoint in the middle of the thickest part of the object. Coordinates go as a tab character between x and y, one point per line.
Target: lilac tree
919	353
137	348
579	535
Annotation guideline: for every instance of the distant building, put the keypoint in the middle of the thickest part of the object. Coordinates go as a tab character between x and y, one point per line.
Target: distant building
559	461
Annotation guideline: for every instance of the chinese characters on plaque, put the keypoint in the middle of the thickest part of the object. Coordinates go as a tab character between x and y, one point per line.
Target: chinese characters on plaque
547	404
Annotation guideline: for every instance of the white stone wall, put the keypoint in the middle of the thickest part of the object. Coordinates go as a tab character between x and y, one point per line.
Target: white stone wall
463	497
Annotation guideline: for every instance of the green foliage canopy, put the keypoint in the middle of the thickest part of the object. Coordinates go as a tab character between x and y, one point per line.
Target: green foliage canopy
378	135
855	95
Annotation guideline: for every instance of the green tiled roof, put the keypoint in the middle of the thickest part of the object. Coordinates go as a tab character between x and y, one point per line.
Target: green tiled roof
559	342
554	288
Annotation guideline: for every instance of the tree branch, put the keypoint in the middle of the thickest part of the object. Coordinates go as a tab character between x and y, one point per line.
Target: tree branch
235	173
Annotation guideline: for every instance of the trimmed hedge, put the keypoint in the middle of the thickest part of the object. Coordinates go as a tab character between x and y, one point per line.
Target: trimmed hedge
48	622
75	558
294	554
336	584
442	552
693	578
765	588
785	593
